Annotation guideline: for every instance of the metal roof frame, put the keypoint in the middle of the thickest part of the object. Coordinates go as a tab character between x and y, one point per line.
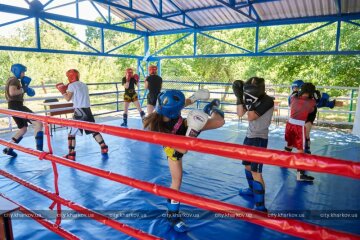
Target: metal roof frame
177	18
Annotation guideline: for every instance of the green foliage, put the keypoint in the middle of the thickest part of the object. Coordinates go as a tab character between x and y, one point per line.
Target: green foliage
322	70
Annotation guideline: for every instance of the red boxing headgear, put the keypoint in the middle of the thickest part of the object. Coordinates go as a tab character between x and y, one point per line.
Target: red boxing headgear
129	73
152	70
73	75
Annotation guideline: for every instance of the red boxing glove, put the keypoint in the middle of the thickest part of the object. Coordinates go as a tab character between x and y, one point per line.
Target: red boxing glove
136	77
62	88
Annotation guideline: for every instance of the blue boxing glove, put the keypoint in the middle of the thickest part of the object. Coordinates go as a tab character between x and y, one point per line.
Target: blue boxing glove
330	104
25	82
324	101
213	107
30	92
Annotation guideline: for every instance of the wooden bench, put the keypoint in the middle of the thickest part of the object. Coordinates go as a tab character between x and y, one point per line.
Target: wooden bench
277	104
57	105
52	106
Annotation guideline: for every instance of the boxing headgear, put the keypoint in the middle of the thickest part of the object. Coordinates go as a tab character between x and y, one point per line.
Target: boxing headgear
255	87
17	69
307	88
169	103
73	75
152	70
297	84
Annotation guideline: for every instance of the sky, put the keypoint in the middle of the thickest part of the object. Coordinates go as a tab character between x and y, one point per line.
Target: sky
86	11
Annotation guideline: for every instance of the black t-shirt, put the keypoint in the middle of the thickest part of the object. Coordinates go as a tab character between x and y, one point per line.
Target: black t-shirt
132	84
182	129
154	83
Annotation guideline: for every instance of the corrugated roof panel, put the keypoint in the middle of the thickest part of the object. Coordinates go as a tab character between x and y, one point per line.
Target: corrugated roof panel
143	5
166	6
155	24
186	5
118	13
350	6
221	15
217	16
122	16
178	18
295	9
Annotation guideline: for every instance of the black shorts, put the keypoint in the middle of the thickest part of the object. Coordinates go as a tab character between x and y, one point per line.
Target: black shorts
84	114
256	142
19	106
152	98
130	96
312	116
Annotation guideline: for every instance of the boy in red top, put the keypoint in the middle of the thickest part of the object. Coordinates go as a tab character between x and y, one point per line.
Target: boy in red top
301	104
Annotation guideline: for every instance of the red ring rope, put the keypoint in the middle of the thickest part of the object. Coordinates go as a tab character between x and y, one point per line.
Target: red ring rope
53	227
89	213
230	150
287	226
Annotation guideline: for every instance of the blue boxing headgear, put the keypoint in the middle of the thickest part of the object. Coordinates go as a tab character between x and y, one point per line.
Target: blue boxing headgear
169	103
17	69
297	83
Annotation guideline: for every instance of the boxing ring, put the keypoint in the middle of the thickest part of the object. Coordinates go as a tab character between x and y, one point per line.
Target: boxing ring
124	193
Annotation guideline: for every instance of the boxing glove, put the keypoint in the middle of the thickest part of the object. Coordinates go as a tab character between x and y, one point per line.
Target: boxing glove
317	95
62	88
201	94
251	97
213	107
30	92
251	102
25	82
238	89
324	101
196	120
136	77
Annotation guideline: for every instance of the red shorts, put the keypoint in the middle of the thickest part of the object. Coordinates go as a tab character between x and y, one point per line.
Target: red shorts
295	136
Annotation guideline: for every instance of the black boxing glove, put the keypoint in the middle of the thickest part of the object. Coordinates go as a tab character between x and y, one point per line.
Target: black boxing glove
317	95
238	89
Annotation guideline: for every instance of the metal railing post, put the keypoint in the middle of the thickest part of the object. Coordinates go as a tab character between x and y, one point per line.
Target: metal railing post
351	104
117	97
198	102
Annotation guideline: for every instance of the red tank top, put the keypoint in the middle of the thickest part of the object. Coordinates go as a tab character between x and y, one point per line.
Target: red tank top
300	107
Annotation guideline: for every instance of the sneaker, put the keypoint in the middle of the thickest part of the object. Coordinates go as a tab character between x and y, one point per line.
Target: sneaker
307	150
180	226
10	152
261	209
177	223
302	177
246	192
104	149
70	156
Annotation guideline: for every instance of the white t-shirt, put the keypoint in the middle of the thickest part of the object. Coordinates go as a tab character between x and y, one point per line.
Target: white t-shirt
80	94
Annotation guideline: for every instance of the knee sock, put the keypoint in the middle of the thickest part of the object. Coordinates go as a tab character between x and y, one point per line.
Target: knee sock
39	139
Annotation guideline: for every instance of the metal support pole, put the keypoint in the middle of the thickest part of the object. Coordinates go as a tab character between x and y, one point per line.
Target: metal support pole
102	40
356	128
351	103
159	67
37	32
117	96
195	43
257	39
